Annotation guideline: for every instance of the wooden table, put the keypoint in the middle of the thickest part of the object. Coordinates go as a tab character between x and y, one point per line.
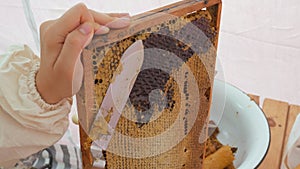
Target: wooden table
281	117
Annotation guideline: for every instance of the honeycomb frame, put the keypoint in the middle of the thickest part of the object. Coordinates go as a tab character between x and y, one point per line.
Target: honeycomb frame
114	44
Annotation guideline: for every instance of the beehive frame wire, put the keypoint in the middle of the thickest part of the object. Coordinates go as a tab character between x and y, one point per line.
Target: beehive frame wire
86	97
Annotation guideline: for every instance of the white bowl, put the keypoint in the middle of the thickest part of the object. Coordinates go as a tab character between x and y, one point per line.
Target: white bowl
242	125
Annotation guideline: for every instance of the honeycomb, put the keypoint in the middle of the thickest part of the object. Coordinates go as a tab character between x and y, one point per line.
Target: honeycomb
140	119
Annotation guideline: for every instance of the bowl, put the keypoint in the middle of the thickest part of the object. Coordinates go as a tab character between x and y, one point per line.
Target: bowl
242	124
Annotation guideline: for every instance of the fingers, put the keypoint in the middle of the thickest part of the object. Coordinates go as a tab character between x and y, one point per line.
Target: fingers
73	45
107	20
44	26
72	19
111	20
100	29
80	14
101	18
119	23
76	28
118	15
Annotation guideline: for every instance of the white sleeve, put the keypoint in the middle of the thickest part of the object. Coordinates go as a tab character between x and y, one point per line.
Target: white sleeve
27	123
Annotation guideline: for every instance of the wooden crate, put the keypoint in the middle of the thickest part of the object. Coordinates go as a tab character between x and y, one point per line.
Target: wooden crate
158	29
281	117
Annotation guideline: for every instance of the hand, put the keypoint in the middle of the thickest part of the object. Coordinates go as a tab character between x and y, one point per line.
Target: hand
62	41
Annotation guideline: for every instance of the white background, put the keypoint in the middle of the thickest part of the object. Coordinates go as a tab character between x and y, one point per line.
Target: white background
259	44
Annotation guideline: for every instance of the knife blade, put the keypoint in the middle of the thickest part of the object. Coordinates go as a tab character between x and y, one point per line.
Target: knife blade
117	95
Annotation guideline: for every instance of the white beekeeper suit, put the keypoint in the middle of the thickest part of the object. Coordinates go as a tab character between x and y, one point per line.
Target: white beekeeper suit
27	123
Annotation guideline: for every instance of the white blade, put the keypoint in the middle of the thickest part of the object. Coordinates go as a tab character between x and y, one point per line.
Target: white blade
118	93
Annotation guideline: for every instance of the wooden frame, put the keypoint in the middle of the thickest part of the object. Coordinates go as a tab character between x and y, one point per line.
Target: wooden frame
139	22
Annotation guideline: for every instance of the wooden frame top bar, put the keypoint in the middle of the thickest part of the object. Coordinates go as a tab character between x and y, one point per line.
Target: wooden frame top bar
180	8
153	17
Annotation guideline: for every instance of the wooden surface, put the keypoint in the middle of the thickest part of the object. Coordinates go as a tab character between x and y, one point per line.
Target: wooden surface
281	117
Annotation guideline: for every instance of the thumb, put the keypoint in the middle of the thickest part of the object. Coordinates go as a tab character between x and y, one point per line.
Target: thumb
68	63
74	43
